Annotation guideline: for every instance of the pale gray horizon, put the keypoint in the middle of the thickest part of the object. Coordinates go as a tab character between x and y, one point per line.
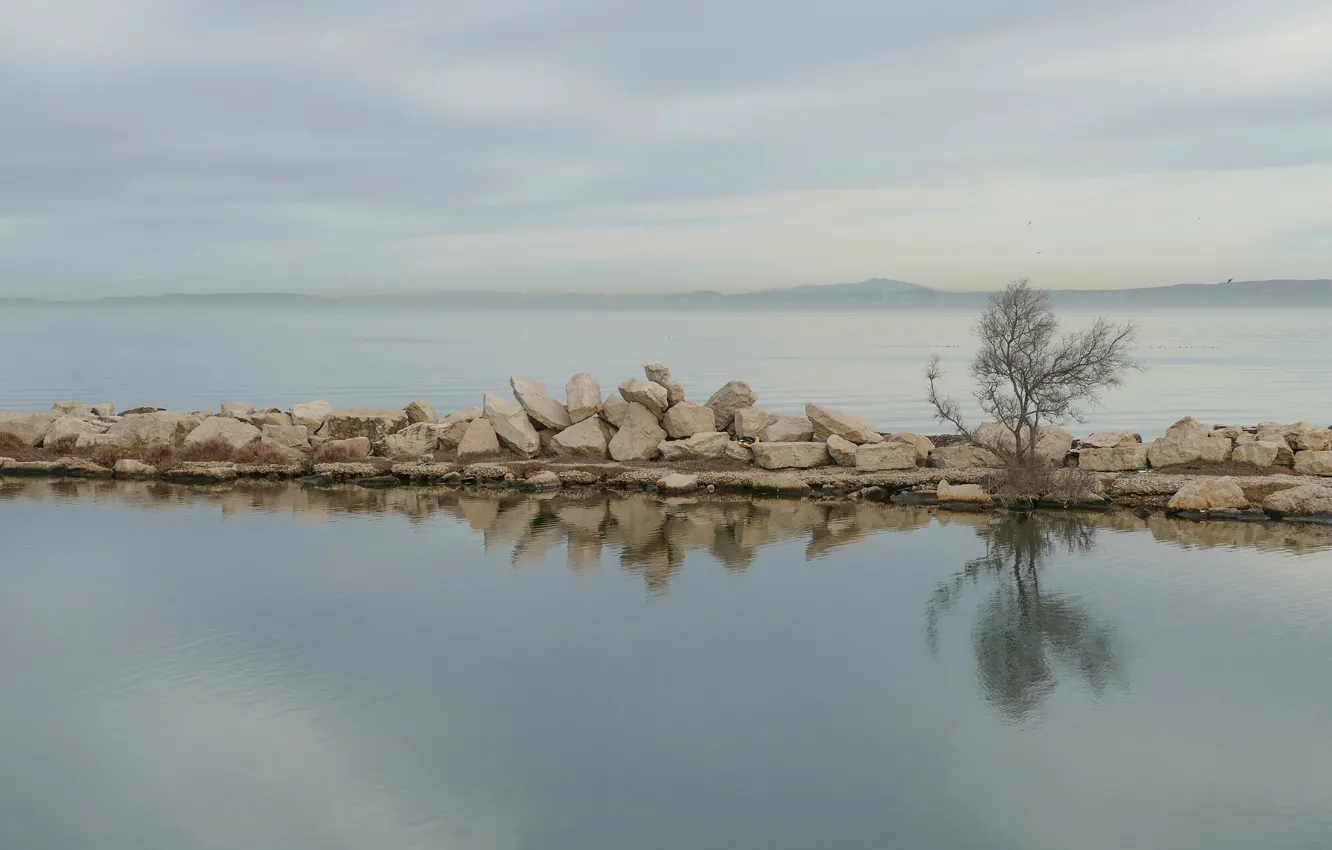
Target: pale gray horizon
341	147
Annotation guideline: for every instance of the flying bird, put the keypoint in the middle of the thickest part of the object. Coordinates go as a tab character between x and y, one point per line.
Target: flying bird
1028	224
1230	280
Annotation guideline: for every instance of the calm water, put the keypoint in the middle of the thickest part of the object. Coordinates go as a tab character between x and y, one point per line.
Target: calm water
275	667
1221	367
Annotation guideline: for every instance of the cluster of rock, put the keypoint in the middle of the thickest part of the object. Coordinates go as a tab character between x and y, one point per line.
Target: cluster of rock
651	419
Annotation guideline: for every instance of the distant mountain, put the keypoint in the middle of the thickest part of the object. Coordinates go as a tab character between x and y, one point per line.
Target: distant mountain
877	293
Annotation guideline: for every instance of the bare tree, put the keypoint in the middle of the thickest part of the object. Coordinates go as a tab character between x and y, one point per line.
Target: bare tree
1027	375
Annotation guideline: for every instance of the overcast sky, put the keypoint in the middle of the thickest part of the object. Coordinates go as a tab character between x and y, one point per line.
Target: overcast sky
354	146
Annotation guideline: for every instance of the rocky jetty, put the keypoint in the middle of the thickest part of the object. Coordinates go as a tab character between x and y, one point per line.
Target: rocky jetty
649	422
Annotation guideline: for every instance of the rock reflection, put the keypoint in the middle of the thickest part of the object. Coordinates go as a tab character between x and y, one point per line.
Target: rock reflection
1026	638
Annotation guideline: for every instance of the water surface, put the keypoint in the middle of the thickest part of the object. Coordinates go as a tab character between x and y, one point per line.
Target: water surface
1229	367
278	667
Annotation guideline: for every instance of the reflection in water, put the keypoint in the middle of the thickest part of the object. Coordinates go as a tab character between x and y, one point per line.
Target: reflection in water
1024	637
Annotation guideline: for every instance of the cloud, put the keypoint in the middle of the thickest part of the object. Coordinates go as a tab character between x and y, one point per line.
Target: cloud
212	146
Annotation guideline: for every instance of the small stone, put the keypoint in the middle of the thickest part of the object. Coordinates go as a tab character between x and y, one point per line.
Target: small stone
966	493
678	482
133	469
542	481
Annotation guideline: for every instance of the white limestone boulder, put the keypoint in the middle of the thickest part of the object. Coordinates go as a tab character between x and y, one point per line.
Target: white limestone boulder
420	411
686	419
877	457
583	396
543	409
585	440
843	452
702	446
791	455
849	426
789	429
657	372
233	432
650	395
311	414
512	427
727	400
639	436
1209	494
479	442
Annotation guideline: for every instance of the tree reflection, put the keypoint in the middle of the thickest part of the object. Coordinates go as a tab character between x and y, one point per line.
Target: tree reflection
1025	638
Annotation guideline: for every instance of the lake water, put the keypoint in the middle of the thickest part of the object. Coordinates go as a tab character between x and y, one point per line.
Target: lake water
1233	367
266	666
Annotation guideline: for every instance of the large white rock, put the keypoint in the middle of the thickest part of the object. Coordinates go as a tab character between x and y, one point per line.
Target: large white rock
650	395
70	408
1216	449
791	455
1261	453
583	395
370	423
727	400
106	409
1209	494
466	414
613	409
352	448
236	409
750	422
1305	500
133	469
511	425
450	434
539	405
1120	458
876	457
87	442
234	432
923	445
420	411
657	373
739	452
155	429
698	447
966	493
311	414
1313	463
639	436
965	456
1052	442
848	426
678	482
413	441
789	429
687	419
271	417
843	451
1308	437
588	439
479	442
28	428
70	428
1181	445
1109	440
290	436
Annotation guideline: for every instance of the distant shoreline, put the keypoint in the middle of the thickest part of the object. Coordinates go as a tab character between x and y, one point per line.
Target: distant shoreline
877	294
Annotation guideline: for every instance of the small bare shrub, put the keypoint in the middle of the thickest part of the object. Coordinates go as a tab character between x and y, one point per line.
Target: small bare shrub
216	450
330	453
260	453
160	456
63	447
15	449
106	455
1024	486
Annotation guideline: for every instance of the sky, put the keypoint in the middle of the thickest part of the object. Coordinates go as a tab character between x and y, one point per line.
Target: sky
352	147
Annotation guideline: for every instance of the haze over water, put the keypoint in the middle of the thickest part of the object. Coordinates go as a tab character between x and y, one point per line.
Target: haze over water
1223	366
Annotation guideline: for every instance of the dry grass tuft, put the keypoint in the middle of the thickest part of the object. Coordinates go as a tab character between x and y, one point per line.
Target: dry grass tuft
260	453
216	450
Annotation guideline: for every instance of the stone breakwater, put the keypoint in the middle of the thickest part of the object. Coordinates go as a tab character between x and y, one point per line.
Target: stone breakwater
648	433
